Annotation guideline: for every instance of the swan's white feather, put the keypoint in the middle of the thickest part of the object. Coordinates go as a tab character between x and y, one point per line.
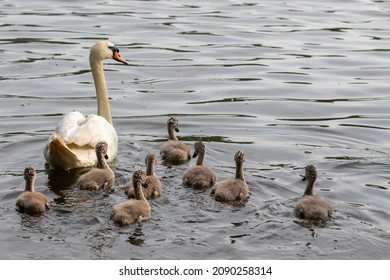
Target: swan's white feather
74	128
79	135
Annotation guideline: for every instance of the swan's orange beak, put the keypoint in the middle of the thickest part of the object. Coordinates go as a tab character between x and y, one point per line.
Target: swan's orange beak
118	57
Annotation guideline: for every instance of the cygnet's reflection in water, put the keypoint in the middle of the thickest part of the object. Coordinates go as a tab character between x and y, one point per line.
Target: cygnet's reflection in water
136	237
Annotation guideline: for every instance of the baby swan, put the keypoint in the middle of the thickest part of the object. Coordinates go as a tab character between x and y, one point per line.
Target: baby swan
154	188
101	176
30	201
310	206
233	189
135	209
174	151
199	176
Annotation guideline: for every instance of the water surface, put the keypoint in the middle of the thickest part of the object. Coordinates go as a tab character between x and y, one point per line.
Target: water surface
290	83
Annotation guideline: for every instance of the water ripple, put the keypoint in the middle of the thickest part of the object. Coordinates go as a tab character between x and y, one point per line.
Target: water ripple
289	83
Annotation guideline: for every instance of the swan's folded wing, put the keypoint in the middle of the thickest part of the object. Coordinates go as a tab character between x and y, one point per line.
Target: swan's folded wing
69	122
93	130
72	145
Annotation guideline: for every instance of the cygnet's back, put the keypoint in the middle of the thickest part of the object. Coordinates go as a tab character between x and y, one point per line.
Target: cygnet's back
199	176
134	209
174	151
30	201
154	188
233	189
100	176
311	206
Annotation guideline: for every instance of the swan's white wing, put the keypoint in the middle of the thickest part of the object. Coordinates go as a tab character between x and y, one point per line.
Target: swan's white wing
90	131
68	123
73	142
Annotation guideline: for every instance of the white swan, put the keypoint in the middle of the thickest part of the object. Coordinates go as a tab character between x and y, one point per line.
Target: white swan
72	144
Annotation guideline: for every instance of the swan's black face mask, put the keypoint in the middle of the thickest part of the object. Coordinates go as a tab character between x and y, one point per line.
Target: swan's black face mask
113	48
115	54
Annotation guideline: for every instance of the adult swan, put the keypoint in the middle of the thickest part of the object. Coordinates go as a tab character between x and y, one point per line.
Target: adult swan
72	144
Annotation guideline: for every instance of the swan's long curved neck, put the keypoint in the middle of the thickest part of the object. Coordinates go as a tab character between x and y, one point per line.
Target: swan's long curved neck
240	171
103	103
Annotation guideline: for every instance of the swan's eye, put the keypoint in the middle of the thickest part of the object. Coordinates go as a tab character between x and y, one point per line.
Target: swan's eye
115	54
113	49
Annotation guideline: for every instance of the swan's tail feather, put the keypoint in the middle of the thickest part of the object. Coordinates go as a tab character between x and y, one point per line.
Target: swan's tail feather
58	154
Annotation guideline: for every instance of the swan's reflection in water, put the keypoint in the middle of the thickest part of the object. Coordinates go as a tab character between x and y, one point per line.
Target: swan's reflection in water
59	180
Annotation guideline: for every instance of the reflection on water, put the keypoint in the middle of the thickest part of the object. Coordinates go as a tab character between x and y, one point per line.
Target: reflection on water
290	84
136	237
59	180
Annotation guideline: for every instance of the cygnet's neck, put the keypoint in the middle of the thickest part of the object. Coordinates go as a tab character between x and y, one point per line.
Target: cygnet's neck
239	170
138	193
101	88
101	162
201	156
310	187
150	167
171	133
30	184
